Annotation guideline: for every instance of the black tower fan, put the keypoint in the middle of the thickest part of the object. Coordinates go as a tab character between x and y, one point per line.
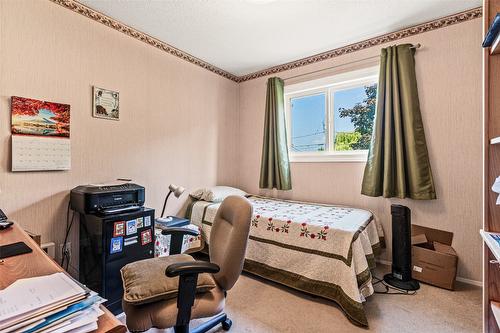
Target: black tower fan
401	250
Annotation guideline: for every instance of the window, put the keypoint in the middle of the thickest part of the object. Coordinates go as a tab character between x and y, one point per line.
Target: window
309	120
331	119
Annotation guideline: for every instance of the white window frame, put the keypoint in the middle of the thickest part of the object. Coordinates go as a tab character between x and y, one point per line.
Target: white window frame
328	86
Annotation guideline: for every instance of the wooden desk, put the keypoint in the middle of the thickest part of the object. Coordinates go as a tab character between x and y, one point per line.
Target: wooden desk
38	263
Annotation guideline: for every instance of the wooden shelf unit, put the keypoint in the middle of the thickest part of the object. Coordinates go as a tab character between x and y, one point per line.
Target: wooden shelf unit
493	246
495	49
495	308
491	93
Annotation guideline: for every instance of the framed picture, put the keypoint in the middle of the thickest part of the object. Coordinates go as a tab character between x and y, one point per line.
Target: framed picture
106	104
39	118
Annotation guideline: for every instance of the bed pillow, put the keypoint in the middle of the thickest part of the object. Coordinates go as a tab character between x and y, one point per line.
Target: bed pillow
197	194
216	193
144	281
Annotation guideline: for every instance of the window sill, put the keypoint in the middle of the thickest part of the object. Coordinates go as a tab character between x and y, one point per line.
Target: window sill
344	157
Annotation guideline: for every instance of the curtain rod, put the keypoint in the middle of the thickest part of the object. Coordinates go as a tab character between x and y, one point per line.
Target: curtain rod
415	46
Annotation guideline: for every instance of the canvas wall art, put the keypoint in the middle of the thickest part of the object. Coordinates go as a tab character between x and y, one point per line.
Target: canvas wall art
40	135
106	104
40	118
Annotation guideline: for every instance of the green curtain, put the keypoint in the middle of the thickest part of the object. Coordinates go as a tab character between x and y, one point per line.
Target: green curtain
275	166
398	162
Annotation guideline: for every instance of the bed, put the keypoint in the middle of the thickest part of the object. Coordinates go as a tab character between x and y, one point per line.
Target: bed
324	250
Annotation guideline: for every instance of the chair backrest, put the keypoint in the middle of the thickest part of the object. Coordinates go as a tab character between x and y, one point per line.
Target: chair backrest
228	239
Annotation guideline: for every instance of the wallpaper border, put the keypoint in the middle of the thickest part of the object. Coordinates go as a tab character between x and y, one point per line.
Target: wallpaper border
442	22
92	14
403	33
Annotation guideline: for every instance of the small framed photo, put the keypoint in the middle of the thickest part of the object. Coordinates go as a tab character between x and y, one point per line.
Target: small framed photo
106	104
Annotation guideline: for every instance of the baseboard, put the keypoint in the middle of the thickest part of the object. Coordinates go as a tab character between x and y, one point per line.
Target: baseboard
469	281
384	262
461	279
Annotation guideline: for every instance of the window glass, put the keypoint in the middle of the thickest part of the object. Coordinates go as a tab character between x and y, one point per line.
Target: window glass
308	120
331	118
354	112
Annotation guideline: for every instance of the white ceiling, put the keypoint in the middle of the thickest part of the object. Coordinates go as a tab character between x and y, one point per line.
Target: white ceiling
244	36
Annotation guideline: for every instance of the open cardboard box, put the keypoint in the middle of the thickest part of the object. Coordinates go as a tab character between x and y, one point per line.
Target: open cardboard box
434	261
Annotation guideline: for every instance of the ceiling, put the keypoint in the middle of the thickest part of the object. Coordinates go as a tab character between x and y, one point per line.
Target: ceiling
245	36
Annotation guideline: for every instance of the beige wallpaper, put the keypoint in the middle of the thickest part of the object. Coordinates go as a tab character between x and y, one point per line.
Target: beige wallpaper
176	119
449	82
182	124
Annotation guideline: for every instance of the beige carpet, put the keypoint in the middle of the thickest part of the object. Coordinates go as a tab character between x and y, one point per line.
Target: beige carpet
259	306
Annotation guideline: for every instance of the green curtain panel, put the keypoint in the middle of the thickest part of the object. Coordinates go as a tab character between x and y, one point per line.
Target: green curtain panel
275	166
398	162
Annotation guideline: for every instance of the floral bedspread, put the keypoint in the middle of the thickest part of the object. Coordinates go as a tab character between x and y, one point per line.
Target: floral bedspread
324	250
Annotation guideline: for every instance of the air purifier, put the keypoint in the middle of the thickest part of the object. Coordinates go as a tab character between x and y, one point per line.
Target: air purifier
400	277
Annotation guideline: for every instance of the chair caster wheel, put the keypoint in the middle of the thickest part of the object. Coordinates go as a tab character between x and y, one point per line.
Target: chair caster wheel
226	324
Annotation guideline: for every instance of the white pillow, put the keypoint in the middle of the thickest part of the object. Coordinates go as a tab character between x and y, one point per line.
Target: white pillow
197	194
216	193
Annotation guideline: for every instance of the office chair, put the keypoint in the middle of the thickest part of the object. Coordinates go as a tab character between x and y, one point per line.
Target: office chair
228	241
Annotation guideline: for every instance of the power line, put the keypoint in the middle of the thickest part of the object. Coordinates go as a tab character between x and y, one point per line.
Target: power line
301	148
312	134
311	145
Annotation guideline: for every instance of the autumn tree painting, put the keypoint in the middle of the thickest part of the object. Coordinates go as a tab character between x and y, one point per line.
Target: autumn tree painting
40	118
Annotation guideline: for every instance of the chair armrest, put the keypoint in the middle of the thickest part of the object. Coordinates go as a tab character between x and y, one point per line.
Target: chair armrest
191	267
177	237
188	276
179	231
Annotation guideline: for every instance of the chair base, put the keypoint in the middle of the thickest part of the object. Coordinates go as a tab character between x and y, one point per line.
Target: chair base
208	325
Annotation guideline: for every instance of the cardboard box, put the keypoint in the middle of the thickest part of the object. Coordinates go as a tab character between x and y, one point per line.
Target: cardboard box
418	239
36	238
434	260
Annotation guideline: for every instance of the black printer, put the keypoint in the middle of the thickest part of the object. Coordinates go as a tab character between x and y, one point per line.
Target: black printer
107	199
115	229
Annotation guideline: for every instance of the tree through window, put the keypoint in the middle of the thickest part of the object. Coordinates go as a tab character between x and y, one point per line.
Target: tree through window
360	116
334	117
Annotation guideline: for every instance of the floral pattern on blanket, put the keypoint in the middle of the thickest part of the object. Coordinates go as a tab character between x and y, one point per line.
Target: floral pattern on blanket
320	249
309	221
311	226
307	213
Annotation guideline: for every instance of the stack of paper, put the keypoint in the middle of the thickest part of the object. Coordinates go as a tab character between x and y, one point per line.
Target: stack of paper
496	188
492	239
50	304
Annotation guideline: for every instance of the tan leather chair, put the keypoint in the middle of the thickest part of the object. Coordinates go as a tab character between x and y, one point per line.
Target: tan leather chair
228	241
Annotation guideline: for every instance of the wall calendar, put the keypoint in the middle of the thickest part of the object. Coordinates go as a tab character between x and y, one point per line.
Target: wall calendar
40	135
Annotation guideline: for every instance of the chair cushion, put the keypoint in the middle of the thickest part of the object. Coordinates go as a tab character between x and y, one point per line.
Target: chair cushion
163	314
145	281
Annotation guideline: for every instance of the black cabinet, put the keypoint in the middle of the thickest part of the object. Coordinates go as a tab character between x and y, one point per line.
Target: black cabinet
107	243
